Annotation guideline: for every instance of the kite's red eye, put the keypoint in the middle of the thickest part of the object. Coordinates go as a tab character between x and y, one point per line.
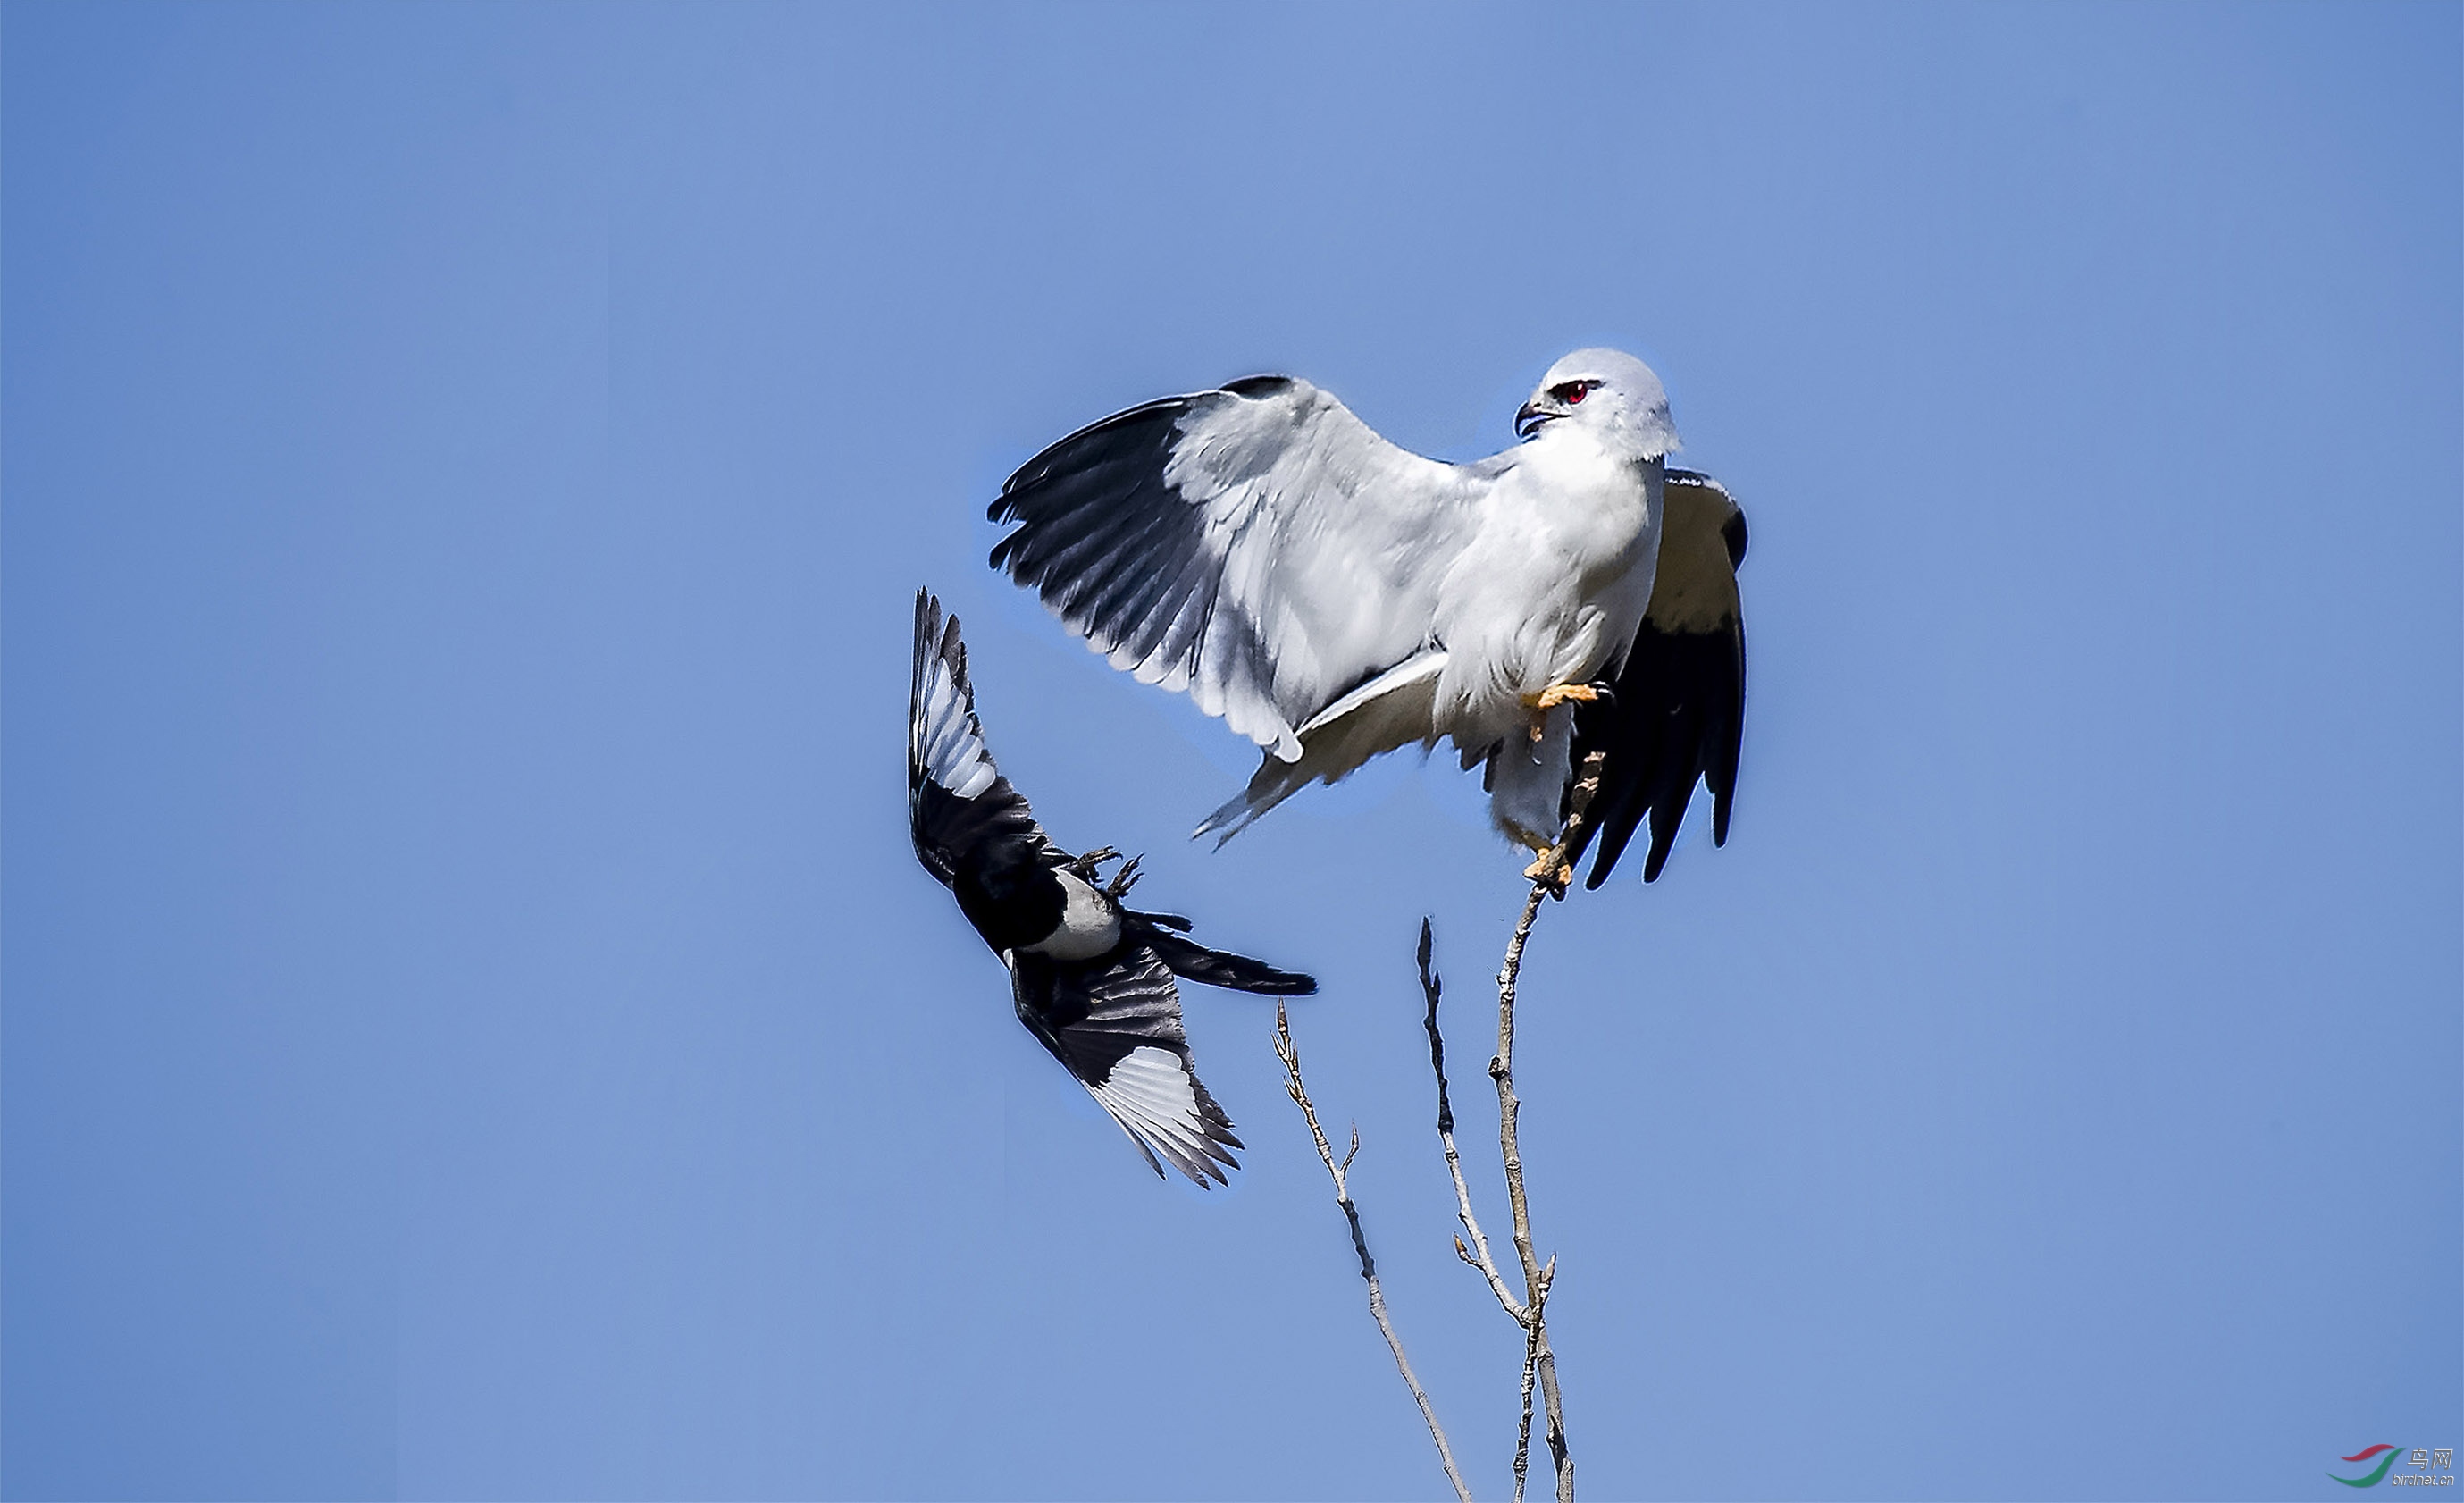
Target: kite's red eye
1579	392
1571	392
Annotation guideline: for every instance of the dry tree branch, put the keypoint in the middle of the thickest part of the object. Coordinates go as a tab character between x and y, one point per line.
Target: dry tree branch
1476	1255
1550	878
1523	1431
1551	875
1291	1059
1535	1279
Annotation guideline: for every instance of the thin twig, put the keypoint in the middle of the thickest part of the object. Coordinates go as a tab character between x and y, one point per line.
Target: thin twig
1291	1059
1432	990
1551	876
1476	1255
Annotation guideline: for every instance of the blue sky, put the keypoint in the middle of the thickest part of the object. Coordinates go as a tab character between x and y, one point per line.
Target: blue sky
474	1027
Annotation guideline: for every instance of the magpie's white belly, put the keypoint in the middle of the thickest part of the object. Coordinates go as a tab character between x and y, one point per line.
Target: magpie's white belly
1089	924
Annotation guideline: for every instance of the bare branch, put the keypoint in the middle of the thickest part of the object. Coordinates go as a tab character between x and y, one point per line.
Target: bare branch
1522	1433
1430	989
1292	1058
1550	874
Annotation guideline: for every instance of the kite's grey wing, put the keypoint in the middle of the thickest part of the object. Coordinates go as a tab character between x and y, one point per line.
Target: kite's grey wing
1115	1023
1677	708
1258	546
959	809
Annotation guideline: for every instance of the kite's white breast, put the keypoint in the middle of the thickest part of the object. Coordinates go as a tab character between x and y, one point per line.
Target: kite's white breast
1554	585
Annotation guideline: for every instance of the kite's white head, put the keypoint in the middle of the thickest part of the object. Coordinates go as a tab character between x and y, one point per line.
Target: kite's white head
1608	394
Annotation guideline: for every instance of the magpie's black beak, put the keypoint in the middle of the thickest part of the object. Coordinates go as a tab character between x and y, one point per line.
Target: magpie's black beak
1527	419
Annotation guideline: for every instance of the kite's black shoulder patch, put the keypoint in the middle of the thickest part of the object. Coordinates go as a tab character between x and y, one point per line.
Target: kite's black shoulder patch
1732	532
1257	386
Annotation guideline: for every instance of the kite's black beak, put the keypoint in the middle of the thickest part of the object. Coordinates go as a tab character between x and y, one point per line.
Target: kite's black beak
1528	417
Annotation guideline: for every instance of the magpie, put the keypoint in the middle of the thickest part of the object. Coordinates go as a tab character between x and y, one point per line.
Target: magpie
1091	977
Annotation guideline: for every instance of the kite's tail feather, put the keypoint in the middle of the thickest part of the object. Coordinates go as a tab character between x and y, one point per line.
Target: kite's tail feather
1390	713
1274	782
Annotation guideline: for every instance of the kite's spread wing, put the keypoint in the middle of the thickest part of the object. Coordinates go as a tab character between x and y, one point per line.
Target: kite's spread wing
1115	1023
1258	546
1679	705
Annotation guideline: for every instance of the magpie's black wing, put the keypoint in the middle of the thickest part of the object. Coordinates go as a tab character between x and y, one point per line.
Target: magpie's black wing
1115	1023
1678	709
958	805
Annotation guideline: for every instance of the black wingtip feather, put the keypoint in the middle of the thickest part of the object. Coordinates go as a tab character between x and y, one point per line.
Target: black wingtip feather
1104	541
1677	719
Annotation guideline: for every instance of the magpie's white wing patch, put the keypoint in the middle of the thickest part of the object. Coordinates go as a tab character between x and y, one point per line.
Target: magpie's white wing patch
1154	1094
1115	1023
957	802
1258	546
945	743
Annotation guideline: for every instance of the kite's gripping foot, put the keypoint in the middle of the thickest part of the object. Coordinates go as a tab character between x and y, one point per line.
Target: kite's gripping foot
1124	879
1550	870
1555	695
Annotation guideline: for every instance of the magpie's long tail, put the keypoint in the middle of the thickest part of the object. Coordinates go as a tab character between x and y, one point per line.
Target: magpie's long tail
1196	962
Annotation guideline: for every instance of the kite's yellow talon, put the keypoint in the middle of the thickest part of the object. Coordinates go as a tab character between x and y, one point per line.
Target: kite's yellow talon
1555	695
1549	698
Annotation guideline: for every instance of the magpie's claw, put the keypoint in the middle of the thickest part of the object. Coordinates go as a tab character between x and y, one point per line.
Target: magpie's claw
1085	866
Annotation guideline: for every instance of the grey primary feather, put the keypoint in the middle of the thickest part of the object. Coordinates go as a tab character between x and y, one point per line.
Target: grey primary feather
1257	545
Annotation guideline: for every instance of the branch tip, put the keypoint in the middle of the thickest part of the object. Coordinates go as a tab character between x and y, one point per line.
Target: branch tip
1289	1053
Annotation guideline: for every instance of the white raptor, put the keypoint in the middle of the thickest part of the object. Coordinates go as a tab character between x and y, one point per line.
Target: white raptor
1333	597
